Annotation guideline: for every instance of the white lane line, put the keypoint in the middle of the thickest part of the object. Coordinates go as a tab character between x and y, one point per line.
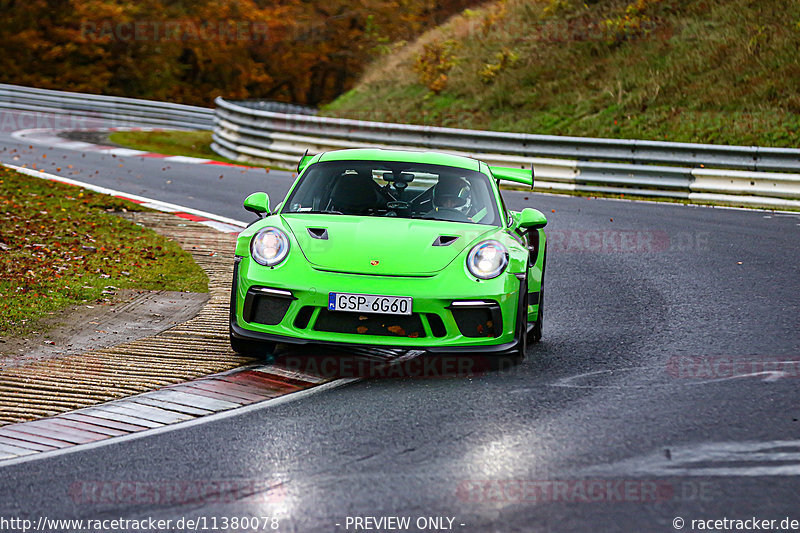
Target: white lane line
224	415
742	458
122	152
149	202
186	159
159	207
75	145
221	226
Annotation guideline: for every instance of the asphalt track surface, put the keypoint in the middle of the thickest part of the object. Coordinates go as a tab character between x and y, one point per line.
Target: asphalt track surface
665	387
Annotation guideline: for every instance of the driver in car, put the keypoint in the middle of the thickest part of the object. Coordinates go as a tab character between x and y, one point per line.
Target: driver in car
450	194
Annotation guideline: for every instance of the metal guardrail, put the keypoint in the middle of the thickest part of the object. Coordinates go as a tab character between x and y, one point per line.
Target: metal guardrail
120	111
696	172
278	134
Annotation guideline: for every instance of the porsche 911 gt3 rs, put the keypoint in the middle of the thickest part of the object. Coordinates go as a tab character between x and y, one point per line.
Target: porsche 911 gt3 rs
391	248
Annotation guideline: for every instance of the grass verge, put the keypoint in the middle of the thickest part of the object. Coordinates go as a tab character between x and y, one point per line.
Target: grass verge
185	143
718	71
62	245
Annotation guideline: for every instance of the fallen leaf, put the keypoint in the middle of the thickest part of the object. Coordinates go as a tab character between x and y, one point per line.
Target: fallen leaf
397	330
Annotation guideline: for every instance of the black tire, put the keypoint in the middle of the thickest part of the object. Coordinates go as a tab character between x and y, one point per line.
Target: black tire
535	334
246	347
522	325
261	349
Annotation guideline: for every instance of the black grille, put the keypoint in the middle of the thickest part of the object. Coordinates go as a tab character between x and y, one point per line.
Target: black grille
478	321
370	324
303	317
437	325
265	309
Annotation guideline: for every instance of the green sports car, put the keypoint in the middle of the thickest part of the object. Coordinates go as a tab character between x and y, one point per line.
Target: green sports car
391	248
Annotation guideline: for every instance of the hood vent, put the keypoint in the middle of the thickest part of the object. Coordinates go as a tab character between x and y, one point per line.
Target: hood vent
444	240
318	233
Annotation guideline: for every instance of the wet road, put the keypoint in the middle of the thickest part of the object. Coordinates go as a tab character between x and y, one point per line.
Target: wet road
665	387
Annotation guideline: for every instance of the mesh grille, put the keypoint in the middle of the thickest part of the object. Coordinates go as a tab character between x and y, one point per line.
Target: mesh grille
370	324
475	322
268	310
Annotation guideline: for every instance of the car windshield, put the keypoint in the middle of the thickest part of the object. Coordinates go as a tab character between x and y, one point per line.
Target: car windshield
395	189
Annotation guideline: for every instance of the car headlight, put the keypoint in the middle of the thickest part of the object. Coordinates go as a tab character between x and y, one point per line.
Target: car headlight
487	259
269	246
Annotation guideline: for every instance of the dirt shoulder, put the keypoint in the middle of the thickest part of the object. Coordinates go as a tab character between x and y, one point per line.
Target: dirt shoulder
130	315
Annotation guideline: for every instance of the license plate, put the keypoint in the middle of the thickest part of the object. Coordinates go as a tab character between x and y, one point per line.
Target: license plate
369	303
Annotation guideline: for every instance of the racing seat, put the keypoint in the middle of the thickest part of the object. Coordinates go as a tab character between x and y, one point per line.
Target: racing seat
355	194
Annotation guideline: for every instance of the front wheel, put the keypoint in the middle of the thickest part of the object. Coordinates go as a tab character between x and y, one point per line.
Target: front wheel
535	334
522	324
246	347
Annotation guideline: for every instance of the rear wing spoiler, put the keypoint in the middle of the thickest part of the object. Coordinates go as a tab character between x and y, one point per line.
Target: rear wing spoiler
303	163
517	175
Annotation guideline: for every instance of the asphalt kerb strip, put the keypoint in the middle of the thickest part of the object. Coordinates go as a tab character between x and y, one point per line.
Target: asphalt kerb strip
151	410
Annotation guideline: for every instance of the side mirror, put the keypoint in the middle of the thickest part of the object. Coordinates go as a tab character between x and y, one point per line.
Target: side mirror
531	218
257	203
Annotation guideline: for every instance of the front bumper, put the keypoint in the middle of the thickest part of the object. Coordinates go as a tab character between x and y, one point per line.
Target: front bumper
298	315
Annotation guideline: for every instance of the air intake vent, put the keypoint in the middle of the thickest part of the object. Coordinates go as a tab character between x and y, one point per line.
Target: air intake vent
318	233
303	317
370	324
264	309
437	325
444	240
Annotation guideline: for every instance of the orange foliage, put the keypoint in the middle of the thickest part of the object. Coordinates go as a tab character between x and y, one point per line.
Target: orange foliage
190	52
